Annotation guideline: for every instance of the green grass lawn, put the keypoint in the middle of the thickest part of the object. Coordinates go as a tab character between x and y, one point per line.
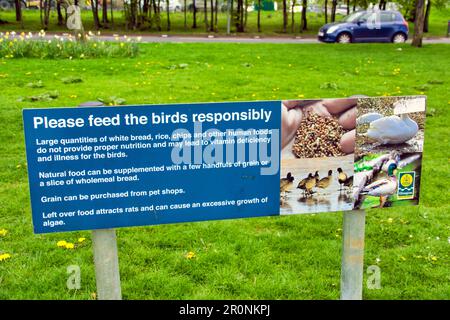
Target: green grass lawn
271	23
289	257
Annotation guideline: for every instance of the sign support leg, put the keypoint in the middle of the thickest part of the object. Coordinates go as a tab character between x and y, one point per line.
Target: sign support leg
106	262
352	255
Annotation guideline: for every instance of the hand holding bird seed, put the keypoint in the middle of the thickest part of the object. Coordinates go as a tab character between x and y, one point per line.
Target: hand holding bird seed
341	114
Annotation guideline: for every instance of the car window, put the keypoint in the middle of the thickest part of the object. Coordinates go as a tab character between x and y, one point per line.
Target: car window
387	17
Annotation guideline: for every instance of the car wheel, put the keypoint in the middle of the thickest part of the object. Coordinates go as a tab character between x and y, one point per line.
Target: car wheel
5	5
399	38
344	38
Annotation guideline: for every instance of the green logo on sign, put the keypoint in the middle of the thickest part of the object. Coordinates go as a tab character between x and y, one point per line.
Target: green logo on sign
406	181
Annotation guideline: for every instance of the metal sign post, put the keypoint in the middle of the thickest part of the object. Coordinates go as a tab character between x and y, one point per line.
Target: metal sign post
106	262
352	255
106	258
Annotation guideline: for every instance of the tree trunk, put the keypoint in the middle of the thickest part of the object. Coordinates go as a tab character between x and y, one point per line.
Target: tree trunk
333	10
326	11
94	7
240	16
111	7
294	2
18	5
348	7
354	5
216	20
205	8
427	16
245	14
259	15
211	8
158	15
304	22
59	13
194	24
168	14
418	24
104	11
285	18
185	14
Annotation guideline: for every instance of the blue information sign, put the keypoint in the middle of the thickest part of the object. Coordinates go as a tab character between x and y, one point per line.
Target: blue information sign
107	167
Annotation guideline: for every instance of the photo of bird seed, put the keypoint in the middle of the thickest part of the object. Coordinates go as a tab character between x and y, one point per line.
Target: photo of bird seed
318	136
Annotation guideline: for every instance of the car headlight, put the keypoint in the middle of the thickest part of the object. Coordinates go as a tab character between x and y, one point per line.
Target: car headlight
332	29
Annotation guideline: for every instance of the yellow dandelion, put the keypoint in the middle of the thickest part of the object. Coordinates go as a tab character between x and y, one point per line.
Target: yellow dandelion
122	44
5	256
390	220
190	255
80	240
402	258
61	243
73	96
300	96
434	258
3	232
70	245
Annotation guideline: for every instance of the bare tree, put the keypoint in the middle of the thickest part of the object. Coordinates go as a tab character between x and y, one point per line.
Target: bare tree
285	16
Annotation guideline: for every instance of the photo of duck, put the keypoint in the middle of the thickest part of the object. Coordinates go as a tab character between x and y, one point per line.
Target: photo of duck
326	181
344	180
383	188
302	184
286	183
316	176
310	184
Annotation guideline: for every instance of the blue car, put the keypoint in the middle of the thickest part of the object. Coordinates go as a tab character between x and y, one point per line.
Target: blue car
367	26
